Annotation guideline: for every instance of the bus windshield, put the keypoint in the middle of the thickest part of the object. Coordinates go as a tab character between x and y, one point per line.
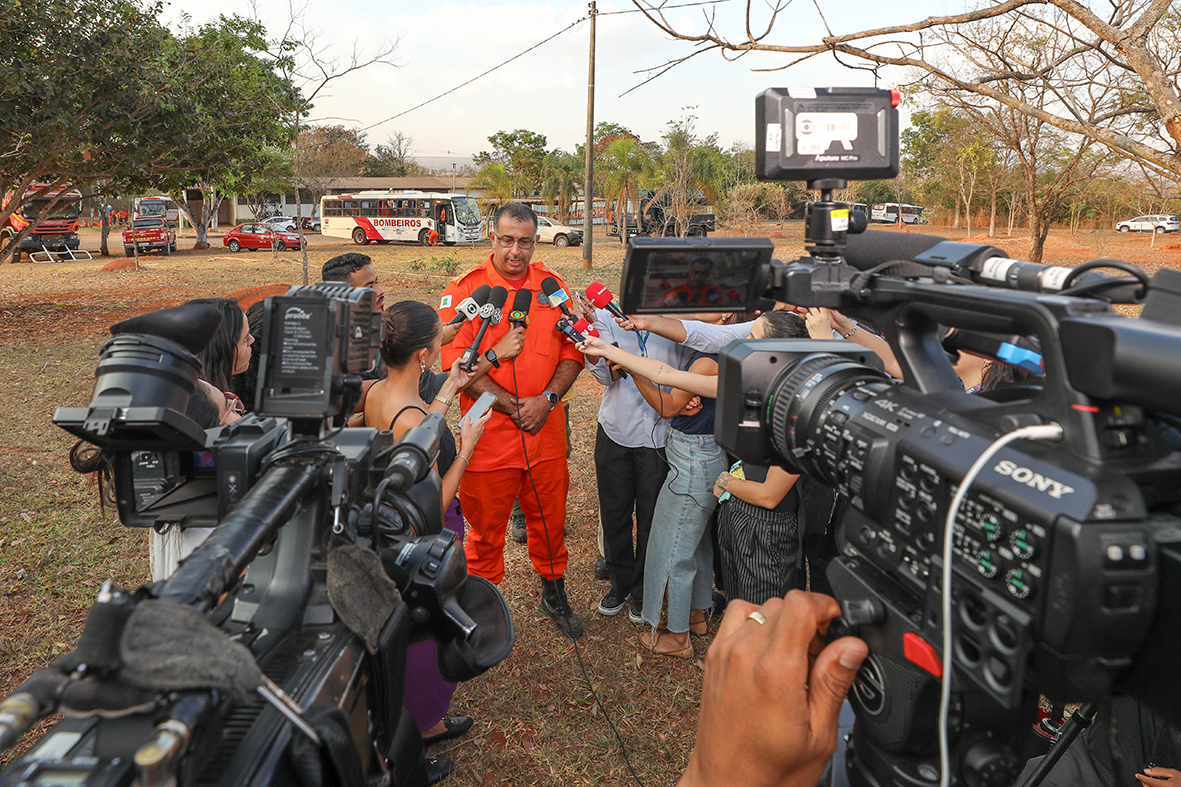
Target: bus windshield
67	211
466	211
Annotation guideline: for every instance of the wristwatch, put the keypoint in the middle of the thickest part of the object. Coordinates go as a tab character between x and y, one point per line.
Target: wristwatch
552	397
490	354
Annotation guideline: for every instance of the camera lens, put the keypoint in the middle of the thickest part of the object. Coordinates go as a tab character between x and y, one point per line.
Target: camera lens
805	423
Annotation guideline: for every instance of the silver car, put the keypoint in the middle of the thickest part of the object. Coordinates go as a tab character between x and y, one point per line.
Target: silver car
557	233
1149	223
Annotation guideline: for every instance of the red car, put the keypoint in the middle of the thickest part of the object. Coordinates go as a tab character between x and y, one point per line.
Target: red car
259	236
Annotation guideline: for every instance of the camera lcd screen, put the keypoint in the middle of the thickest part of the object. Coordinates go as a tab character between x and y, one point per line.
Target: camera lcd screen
670	275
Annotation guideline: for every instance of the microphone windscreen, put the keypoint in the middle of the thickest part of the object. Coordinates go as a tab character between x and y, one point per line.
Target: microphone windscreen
549	285
481	293
873	247
498	297
584	327
598	294
522	301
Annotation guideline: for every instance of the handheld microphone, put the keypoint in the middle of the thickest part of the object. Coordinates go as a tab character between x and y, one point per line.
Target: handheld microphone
563	325
601	297
519	316
558	297
491	313
469	307
584	327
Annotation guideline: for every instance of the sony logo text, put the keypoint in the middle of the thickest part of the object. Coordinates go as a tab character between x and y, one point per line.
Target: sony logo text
1023	475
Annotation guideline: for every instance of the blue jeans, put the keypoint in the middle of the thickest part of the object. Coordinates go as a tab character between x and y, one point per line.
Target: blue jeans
680	553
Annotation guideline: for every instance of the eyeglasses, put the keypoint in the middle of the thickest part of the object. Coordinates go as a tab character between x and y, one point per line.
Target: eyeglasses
507	243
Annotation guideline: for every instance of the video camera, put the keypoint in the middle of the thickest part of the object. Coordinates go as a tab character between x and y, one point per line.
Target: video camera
275	654
981	573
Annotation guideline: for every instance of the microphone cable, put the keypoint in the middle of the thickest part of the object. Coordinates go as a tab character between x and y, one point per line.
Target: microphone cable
550	550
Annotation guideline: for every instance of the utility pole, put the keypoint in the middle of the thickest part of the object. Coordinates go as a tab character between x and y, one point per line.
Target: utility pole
452	177
588	194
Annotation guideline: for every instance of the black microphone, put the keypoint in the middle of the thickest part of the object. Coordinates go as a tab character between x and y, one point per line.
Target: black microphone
519	316
563	326
557	296
984	265
491	313
469	307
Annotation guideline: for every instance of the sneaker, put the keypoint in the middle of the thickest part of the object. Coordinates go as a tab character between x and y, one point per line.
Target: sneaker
613	603
555	604
517	524
601	569
636	613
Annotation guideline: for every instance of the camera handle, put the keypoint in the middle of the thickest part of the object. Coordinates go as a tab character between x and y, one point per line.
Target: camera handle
1079	721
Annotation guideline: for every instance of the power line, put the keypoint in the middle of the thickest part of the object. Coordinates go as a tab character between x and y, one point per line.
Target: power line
527	51
486	73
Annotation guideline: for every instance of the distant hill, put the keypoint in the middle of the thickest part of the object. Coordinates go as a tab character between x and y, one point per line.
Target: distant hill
444	162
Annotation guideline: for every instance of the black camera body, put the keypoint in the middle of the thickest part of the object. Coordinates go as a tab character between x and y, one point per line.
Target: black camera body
276	653
1064	562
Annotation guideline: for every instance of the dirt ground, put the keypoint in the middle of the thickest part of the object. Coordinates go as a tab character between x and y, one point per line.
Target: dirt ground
537	719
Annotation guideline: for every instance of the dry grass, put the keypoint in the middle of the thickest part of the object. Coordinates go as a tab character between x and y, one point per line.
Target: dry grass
537	721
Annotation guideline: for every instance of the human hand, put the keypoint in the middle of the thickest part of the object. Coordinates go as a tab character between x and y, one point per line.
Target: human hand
510	345
840	323
1155	776
584	307
470	431
692	407
723	481
635	322
449	331
818	323
593	346
533	410
459	378
769	709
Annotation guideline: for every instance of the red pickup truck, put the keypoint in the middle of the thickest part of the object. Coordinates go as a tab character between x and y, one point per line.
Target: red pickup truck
147	234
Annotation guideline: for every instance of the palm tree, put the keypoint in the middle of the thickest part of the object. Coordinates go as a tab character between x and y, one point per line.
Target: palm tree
497	184
561	174
626	165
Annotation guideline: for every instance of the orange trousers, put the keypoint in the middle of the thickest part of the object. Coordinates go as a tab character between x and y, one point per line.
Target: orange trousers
487	500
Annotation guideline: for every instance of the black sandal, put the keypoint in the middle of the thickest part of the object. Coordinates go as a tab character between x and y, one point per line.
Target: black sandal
456	726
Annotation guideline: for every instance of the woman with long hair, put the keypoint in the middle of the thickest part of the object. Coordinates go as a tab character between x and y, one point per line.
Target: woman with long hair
411	342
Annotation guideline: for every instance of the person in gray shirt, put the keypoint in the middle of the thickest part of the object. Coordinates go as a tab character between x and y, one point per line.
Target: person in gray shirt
629	463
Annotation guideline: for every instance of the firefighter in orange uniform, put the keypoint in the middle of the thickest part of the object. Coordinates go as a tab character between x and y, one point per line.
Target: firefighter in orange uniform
527	434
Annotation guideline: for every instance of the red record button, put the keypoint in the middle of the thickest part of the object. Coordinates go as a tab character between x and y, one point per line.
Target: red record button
922	653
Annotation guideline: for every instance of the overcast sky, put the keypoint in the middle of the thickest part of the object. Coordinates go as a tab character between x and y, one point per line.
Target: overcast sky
442	45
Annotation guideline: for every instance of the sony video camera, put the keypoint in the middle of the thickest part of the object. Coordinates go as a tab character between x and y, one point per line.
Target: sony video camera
276	653
999	567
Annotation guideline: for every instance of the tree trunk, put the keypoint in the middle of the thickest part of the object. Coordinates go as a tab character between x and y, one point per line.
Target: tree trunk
992	215
104	250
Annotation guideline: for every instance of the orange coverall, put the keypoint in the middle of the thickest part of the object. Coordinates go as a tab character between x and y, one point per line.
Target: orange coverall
497	474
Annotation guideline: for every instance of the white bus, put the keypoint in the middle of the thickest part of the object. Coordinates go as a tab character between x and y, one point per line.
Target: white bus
384	216
888	212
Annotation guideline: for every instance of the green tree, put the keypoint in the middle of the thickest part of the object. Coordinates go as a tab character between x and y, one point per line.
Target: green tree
330	153
230	130
498	185
626	166
66	123
691	168
521	152
561	175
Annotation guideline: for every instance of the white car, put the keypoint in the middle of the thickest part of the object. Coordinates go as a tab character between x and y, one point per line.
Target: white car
557	233
1149	223
281	223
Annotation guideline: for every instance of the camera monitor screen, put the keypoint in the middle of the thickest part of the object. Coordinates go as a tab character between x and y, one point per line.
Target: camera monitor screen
695	274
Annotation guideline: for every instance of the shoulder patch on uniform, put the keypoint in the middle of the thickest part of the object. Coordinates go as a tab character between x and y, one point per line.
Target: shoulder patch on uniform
446	302
474	269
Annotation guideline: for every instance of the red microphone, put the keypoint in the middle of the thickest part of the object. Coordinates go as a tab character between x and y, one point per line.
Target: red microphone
601	297
584	327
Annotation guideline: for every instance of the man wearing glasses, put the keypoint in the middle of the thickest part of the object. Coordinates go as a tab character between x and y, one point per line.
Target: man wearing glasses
524	445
